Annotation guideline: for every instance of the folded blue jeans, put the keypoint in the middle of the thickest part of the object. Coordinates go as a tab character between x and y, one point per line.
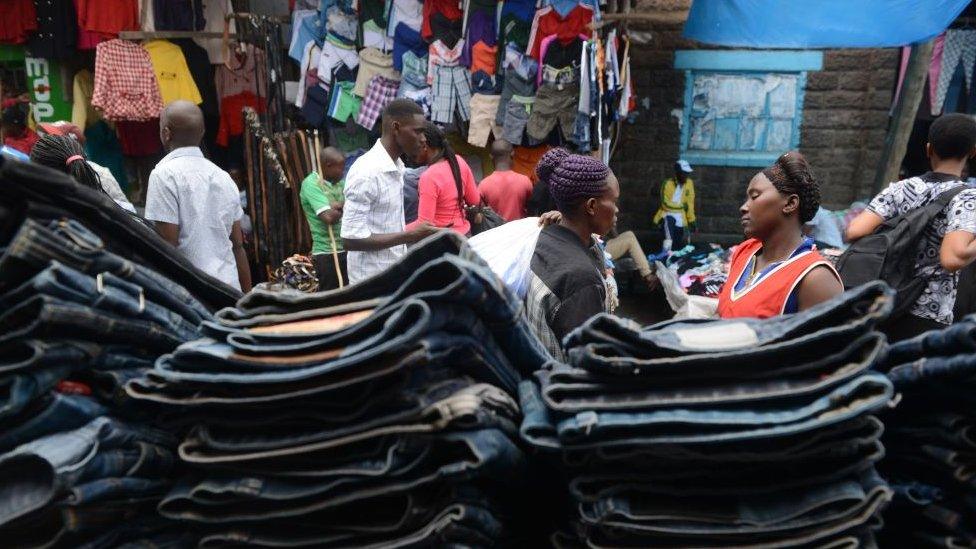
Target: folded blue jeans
40	469
51	413
572	390
482	453
104	292
451	404
71	244
548	429
788	512
853	312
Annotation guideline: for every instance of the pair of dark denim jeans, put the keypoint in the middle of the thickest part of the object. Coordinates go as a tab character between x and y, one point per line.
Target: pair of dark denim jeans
105	293
460	404
440	517
81	472
439	458
71	244
440	270
855	312
790	515
546	428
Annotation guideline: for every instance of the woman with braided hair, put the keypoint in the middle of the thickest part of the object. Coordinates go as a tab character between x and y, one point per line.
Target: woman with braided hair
778	270
567	284
65	154
446	187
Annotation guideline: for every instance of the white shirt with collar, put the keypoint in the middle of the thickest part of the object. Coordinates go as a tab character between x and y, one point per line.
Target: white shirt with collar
188	190
374	205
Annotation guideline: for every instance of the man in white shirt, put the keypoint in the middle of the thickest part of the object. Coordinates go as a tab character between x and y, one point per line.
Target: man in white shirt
372	218
194	204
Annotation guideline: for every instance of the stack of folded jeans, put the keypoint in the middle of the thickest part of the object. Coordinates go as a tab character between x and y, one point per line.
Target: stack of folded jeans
931	439
723	433
381	414
79	462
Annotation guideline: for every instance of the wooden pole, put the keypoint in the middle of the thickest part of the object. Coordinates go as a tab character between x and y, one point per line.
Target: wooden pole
903	118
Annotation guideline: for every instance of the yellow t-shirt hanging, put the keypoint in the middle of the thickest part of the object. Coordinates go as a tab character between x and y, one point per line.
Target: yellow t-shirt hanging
175	80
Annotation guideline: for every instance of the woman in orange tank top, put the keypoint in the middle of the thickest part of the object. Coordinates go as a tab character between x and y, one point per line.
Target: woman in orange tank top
778	270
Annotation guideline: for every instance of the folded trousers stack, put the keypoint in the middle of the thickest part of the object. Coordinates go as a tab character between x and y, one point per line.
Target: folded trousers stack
379	415
931	439
80	466
729	433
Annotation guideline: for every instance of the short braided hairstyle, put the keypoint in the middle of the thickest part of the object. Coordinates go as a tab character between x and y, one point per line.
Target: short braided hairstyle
571	178
791	174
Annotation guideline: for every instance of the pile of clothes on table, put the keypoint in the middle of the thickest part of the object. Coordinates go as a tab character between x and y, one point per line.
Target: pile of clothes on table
721	433
701	269
931	439
89	298
381	414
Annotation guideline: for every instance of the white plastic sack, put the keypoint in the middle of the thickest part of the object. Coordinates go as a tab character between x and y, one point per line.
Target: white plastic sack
508	251
684	305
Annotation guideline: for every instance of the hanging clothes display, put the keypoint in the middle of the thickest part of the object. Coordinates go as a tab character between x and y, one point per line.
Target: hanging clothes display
183	15
935	67
172	72
959	47
215	13
57	30
19	21
125	82
108	17
549	21
481	67
304	25
241	82
83	114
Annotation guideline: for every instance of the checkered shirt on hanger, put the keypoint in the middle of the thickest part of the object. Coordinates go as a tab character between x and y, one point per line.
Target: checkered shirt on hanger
125	82
379	94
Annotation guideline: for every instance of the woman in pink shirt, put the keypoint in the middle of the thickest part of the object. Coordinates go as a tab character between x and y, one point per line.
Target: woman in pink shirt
446	188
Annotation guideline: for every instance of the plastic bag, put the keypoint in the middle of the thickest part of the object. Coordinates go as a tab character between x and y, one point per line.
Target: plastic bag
684	305
508	251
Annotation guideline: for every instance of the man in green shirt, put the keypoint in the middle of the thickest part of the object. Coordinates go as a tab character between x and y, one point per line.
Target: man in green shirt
322	200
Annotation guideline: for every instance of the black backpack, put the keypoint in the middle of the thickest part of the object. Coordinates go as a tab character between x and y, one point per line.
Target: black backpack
889	253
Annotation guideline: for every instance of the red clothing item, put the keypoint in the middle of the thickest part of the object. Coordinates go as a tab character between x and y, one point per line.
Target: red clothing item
506	192
139	138
438	196
231	115
447	8
108	16
17	20
23	143
87	40
547	22
767	297
125	82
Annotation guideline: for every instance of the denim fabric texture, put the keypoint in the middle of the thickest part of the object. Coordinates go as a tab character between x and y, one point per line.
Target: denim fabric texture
930	438
90	297
723	433
344	418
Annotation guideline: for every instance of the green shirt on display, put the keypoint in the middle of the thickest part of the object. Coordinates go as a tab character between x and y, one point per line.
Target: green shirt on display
317	197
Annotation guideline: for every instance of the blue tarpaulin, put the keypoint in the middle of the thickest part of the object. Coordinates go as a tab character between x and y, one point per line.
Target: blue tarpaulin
819	23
